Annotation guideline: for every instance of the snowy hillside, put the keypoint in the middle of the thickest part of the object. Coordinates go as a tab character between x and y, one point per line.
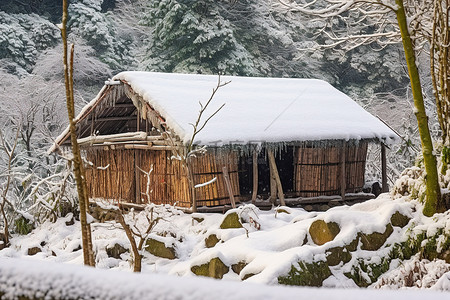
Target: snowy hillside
266	247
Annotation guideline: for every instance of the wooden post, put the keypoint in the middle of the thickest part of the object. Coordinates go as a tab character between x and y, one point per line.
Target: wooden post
276	176
92	122
138	120
384	184
255	176
343	179
228	185
273	183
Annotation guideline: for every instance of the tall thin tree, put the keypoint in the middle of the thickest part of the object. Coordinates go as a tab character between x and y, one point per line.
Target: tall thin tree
78	168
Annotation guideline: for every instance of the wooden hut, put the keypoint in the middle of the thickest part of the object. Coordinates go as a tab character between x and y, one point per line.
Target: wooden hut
266	135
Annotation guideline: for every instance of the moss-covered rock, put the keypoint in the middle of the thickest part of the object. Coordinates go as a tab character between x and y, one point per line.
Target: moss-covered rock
198	219
375	240
353	245
100	214
215	268
337	255
399	220
211	241
322	232
116	251
307	274
34	250
282	211
231	221
159	249
237	268
247	276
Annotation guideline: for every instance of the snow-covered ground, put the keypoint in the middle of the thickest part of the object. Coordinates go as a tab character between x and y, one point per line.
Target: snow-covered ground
267	246
79	282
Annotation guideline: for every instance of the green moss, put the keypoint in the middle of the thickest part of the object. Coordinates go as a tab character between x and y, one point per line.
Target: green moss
215	268
322	232
23	226
231	221
159	249
306	274
371	271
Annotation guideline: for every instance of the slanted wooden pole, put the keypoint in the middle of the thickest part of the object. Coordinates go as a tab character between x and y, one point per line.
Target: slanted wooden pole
255	176
276	176
226	177
384	184
343	179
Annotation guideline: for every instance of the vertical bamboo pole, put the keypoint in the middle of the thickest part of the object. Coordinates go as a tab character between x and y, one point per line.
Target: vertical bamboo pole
342	162
384	184
255	176
276	176
137	176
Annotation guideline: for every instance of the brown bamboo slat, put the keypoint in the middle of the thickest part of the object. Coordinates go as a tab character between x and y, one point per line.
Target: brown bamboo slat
317	169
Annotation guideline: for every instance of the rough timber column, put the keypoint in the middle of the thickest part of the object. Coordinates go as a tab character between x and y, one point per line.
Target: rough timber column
384	185
342	163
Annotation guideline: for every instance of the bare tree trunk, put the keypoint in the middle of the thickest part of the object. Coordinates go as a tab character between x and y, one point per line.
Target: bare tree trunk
440	73
137	262
433	201
78	168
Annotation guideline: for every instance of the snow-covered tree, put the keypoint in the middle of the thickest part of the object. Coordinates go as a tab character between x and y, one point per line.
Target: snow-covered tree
192	36
383	22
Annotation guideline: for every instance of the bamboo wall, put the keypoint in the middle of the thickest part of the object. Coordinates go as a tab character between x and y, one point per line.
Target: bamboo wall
317	170
168	183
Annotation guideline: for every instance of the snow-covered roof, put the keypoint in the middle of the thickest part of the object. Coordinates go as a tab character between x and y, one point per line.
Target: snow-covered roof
256	109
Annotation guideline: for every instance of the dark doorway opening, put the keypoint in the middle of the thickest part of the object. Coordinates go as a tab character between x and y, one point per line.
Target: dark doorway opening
284	159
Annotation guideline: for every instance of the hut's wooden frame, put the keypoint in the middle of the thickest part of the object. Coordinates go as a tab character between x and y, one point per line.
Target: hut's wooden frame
137	139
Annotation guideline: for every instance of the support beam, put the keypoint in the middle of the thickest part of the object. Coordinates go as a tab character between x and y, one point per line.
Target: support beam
107	119
276	176
273	184
342	163
255	176
384	184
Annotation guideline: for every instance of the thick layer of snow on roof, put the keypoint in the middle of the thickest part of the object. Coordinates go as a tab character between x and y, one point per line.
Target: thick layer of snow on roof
256	109
63	281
